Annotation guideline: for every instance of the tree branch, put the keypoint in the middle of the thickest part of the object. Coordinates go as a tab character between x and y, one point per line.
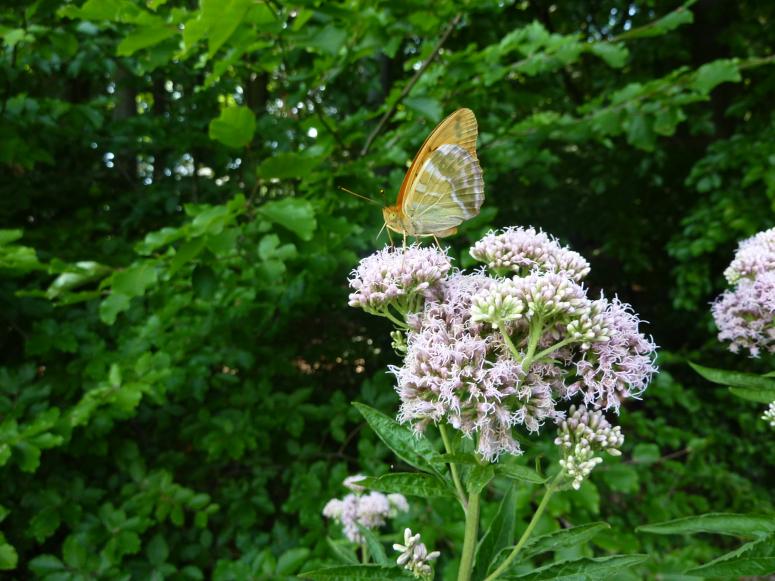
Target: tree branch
412	82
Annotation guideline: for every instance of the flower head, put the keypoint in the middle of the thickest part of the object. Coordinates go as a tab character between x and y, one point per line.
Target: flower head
414	556
359	509
745	315
399	277
524	250
754	256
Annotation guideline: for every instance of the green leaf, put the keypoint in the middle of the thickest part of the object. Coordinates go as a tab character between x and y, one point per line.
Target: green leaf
357	572
287	166
376	550
425	106
415	450
144	37
9	558
134	280
756	558
757	395
342	551
186	253
735	378
112	305
204	282
409	483
719	523
157	550
328	40
45	564
296	215
74	552
519	472
646	453
457	458
712	74
291	560
678	17
499	535
614	55
234	127
584	569
479	477
620	477
563	539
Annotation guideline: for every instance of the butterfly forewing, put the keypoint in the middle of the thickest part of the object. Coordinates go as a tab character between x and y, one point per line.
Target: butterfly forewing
447	190
459	128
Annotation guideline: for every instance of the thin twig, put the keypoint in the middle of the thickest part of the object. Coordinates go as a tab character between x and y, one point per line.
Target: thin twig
410	85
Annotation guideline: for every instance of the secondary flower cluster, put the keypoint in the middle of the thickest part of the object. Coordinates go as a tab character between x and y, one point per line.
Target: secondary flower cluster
769	415
745	314
490	354
369	510
584	433
415	557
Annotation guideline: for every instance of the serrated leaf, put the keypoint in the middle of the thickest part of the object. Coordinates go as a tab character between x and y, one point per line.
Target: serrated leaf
614	54
499	535
756	558
584	569
412	449
357	572
234	127
519	472
712	74
343	553
563	539
409	483
719	523
735	378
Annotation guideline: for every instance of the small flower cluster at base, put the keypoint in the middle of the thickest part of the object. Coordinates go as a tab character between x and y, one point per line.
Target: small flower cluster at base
402	278
524	250
370	510
583	433
754	256
415	557
769	415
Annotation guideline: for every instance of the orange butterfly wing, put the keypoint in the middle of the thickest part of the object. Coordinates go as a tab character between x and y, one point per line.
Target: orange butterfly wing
459	128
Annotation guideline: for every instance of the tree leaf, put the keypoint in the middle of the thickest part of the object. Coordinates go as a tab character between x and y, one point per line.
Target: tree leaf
414	484
414	450
719	523
614	54
234	127
583	569
712	74
287	166
357	572
296	215
425	106
756	558
499	535
291	560
144	37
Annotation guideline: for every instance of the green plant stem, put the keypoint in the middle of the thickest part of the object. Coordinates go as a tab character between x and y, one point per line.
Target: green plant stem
469	540
553	348
550	490
364	554
536	328
461	495
509	343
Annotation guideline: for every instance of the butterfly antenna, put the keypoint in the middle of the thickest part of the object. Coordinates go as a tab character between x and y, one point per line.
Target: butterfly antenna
359	196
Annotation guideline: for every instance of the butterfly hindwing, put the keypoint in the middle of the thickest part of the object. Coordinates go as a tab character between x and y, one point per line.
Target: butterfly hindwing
447	190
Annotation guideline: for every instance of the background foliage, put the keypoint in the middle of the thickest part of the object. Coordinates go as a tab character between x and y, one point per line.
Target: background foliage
177	356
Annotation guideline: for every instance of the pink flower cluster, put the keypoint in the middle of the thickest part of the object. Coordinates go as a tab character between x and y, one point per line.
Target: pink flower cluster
745	314
490	355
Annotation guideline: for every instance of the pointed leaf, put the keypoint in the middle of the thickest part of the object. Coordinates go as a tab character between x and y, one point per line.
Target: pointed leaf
756	558
520	473
499	535
479	477
597	568
414	484
719	523
411	448
735	378
343	553
376	550
357	572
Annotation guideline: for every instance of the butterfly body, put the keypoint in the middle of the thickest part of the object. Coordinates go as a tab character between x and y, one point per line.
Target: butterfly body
444	185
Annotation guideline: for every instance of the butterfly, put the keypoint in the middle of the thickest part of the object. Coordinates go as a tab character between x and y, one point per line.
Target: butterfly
444	185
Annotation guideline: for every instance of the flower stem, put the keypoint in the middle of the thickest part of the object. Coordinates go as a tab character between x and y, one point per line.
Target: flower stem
461	495
553	348
550	490
469	540
509	343
536	328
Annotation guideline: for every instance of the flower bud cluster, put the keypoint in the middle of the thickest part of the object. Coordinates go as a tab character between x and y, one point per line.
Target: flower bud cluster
369	510
580	436
769	415
415	557
524	250
398	277
745	314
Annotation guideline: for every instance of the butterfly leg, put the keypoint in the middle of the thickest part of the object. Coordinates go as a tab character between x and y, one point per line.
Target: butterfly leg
390	237
438	243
